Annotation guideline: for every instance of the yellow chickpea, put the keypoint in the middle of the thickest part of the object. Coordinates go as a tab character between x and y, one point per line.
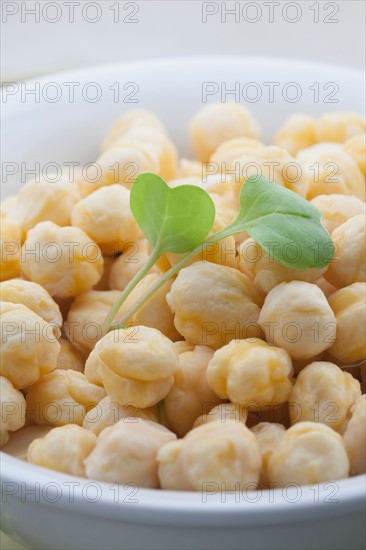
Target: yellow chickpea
190	393
337	209
129	263
354	437
223	413
126	452
29	347
62	397
297	132
63	449
349	262
269	435
323	393
348	305
297	317
218	122
308	453
251	373
12	413
10	242
70	357
356	149
339	126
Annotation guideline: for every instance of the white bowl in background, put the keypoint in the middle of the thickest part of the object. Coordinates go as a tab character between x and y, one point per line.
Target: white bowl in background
48	510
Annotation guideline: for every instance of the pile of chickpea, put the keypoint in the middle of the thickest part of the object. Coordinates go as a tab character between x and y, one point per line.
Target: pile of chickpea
239	370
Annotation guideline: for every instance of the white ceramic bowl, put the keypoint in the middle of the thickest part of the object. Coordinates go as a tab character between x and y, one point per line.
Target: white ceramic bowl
47	510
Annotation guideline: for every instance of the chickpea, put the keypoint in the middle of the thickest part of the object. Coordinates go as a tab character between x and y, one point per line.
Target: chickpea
266	272
136	365
29	347
339	126
337	209
348	305
218	122
126	452
269	435
34	296
308	453
10	241
323	393
69	357
12	414
297	132
45	200
354	437
63	449
330	171
223	413
356	149
67	262
129	263
190	393
62	397
251	373
7	205
214	456
106	217
107	413
210	318
21	439
297	317
349	262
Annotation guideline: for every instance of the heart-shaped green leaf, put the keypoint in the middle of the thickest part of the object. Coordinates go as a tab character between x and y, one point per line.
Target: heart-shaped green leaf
173	219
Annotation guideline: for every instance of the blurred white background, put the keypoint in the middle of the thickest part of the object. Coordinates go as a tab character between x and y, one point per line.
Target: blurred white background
48	36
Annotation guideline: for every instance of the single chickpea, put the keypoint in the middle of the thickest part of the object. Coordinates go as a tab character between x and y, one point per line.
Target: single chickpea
126	452
190	393
251	373
339	126
297	132
323	393
210	318
266	272
337	209
106	217
214	456
354	437
12	413
70	357
348	305
297	317
20	440
34	296
269	435
63	449
308	453
107	413
356	149
136	365
349	262
330	171
218	122
10	242
129	263
62	397
45	200
223	413
29	347
64	260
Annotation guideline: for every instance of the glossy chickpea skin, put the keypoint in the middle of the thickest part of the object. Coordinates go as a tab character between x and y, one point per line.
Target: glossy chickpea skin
356	149
106	217
349	262
267	272
67	261
107	413
12	413
210	318
216	123
354	437
63	449
10	240
348	305
62	397
297	132
29	347
213	457
323	393
269	435
339	126
190	393
129	263
337	209
126	452
297	317
223	413
251	373
308	453
136	365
